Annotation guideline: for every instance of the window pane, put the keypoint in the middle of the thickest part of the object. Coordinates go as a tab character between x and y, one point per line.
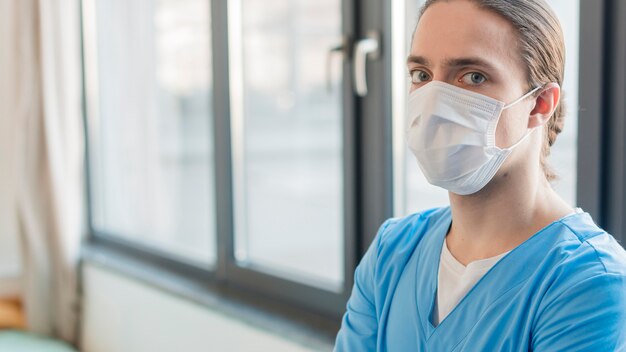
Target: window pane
287	138
149	101
564	152
413	193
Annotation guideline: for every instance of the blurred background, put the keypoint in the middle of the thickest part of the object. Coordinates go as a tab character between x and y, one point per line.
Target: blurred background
204	175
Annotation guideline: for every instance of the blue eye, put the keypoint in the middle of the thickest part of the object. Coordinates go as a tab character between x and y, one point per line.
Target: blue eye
419	76
473	78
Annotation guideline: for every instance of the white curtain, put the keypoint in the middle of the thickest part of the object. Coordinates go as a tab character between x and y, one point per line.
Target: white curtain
10	267
41	104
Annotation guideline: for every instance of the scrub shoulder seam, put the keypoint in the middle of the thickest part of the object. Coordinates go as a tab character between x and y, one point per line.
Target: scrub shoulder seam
586	242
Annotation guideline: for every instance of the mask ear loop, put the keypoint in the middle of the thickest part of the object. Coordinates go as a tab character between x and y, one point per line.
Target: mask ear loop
530	130
522	98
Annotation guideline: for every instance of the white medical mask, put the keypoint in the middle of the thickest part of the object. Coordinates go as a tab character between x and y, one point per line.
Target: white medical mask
452	134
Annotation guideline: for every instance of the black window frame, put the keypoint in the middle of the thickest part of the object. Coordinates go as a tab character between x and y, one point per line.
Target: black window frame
601	185
367	198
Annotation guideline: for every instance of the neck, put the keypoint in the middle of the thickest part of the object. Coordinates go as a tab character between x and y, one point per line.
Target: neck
501	216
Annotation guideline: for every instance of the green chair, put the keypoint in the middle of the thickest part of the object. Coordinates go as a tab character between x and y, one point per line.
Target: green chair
21	341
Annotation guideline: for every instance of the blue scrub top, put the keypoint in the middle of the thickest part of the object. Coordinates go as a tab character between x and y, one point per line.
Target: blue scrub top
563	289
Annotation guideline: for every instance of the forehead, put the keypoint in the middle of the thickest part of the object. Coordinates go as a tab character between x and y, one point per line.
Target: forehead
459	28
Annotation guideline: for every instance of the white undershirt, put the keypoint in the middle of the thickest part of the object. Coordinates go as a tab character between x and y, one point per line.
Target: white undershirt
455	279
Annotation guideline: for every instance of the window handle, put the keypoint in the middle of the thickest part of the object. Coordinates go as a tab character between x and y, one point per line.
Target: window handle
366	48
338	49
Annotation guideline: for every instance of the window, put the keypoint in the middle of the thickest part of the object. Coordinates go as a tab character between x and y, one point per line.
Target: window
148	67
287	138
564	156
223	142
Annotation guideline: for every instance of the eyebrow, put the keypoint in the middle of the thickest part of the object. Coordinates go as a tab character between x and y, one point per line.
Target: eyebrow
455	62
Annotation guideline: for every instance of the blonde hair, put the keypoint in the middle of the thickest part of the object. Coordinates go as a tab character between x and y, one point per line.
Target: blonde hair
542	50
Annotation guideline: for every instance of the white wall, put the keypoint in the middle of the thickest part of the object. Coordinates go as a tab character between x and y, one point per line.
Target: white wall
121	314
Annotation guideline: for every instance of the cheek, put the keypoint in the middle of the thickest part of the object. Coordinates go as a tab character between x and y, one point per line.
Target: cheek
503	133
511	127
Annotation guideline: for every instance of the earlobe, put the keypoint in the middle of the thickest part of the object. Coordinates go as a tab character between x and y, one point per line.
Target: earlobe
545	105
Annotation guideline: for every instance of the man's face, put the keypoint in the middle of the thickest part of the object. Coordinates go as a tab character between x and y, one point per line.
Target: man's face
461	44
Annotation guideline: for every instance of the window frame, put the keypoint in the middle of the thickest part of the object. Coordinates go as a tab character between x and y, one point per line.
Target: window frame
364	185
601	187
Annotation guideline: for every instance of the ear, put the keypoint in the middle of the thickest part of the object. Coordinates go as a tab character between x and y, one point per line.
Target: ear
545	104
